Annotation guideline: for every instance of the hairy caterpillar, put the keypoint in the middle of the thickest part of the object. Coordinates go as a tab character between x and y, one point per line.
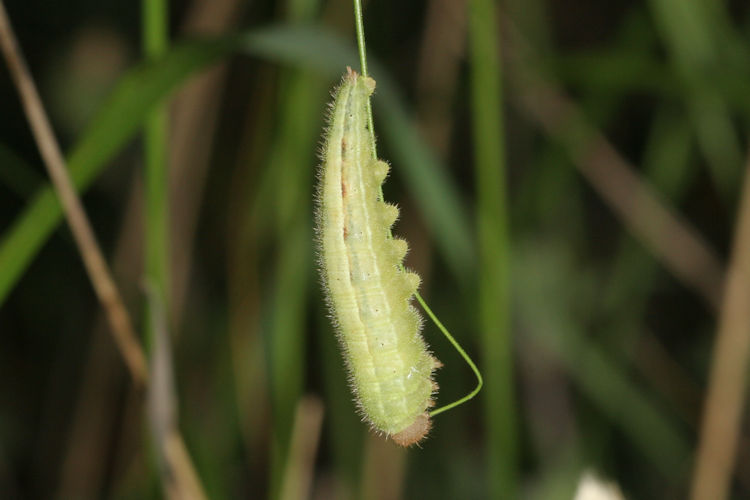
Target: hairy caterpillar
368	290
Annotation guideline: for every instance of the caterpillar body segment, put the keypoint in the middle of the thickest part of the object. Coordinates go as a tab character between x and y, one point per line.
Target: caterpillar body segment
367	288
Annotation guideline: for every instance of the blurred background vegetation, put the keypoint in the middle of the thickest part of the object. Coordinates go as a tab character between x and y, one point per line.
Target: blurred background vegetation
571	206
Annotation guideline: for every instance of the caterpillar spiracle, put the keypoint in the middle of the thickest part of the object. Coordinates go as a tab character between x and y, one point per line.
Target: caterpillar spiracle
367	288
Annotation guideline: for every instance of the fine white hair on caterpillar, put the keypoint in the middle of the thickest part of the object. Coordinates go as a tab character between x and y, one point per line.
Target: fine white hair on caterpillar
368	290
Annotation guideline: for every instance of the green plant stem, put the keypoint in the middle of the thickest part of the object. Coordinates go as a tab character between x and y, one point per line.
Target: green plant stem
363	64
460	350
494	247
154	25
359	25
155	41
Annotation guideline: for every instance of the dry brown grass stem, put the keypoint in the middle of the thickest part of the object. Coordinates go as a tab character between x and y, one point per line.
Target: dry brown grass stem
384	469
96	266
179	478
720	428
96	410
300	468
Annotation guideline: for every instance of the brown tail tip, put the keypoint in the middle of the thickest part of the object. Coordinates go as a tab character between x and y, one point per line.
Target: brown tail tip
415	432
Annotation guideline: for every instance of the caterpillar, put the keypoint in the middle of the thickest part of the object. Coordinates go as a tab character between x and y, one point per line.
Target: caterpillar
366	286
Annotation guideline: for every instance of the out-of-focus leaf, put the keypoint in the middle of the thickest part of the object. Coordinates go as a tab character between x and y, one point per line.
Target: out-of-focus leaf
425	176
116	123
699	40
493	241
545	298
148	84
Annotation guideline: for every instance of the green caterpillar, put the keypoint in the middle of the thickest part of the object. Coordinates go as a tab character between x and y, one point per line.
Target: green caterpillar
368	290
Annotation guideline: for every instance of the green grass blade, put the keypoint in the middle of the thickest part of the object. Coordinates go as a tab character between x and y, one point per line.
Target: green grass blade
117	123
155	22
692	32
494	249
149	83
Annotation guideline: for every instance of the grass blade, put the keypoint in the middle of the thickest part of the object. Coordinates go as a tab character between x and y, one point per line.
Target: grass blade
691	32
155	22
149	83
115	124
494	248
722	414
96	266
